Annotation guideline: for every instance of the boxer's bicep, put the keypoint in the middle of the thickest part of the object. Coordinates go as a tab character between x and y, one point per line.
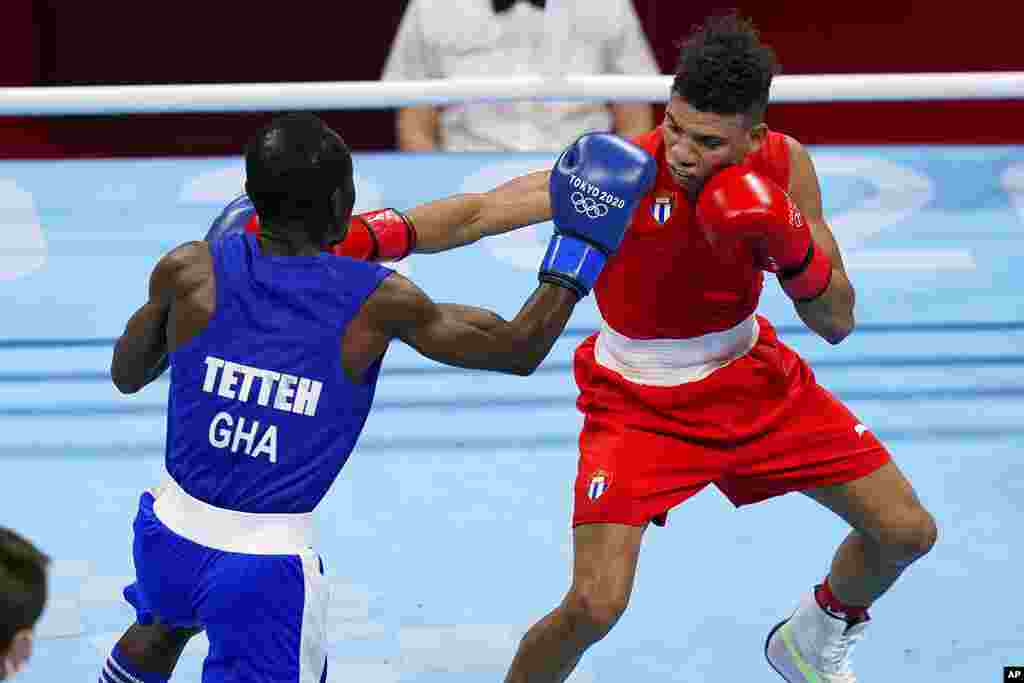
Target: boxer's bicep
140	354
805	191
832	313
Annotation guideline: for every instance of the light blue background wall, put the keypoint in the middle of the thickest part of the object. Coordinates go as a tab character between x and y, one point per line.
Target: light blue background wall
446	535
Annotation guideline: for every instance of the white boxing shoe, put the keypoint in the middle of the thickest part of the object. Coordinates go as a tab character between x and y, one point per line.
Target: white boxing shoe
812	646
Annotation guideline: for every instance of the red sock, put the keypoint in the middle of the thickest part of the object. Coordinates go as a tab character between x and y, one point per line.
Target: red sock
828	602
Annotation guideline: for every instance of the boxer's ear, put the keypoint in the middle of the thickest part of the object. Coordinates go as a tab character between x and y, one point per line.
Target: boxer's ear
755	137
18	654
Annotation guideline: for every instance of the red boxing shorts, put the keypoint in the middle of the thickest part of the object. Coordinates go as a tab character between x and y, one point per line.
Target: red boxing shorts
756	428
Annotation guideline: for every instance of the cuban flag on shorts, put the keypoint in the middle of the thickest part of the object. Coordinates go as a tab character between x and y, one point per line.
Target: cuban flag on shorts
598	484
661	209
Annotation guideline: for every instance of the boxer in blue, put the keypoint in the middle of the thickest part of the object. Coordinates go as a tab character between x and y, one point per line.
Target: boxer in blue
275	349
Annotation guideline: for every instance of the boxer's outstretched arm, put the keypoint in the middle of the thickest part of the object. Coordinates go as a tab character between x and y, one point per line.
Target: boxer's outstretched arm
465	218
389	235
831	313
463	336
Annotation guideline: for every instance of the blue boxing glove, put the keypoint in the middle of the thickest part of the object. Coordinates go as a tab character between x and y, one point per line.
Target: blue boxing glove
595	185
232	220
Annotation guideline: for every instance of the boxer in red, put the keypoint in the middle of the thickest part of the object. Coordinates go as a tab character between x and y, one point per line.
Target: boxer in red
686	386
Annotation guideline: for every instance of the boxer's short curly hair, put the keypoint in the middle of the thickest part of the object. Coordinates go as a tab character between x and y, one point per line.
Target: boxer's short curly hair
724	68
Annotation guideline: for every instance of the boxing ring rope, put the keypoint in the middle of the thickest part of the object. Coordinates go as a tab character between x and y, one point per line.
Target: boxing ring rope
155	99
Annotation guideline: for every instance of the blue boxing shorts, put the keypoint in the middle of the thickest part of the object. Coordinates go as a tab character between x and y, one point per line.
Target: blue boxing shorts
249	580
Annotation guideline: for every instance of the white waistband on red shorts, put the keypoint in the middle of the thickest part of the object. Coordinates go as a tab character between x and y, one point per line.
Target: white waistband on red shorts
669	362
230	530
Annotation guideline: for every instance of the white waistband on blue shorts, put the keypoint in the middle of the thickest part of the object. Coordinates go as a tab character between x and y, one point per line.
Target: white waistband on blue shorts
669	362
229	530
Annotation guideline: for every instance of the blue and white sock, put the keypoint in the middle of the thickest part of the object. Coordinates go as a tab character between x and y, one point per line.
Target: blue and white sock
118	670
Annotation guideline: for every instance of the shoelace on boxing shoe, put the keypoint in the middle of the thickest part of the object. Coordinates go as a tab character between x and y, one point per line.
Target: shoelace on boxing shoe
838	655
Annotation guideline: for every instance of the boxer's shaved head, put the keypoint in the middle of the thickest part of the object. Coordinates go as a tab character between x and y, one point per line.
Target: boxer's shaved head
299	170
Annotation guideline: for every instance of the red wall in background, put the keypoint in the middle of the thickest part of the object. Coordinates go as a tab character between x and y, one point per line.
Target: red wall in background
65	43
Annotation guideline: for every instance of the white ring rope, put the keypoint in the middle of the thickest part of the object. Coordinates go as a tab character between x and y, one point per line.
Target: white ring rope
131	99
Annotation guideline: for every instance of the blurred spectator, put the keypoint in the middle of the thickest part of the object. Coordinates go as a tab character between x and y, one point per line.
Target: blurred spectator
22	598
495	38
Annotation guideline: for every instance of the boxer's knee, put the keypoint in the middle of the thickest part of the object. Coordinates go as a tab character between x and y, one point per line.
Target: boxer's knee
907	535
592	612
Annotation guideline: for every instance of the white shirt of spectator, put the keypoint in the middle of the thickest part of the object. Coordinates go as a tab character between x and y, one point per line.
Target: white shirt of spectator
466	39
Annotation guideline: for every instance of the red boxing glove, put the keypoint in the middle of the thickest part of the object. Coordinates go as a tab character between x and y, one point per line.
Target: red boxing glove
253	226
738	203
384	235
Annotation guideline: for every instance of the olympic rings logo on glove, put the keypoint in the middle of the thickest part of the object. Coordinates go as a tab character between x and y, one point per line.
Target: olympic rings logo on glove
587	205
